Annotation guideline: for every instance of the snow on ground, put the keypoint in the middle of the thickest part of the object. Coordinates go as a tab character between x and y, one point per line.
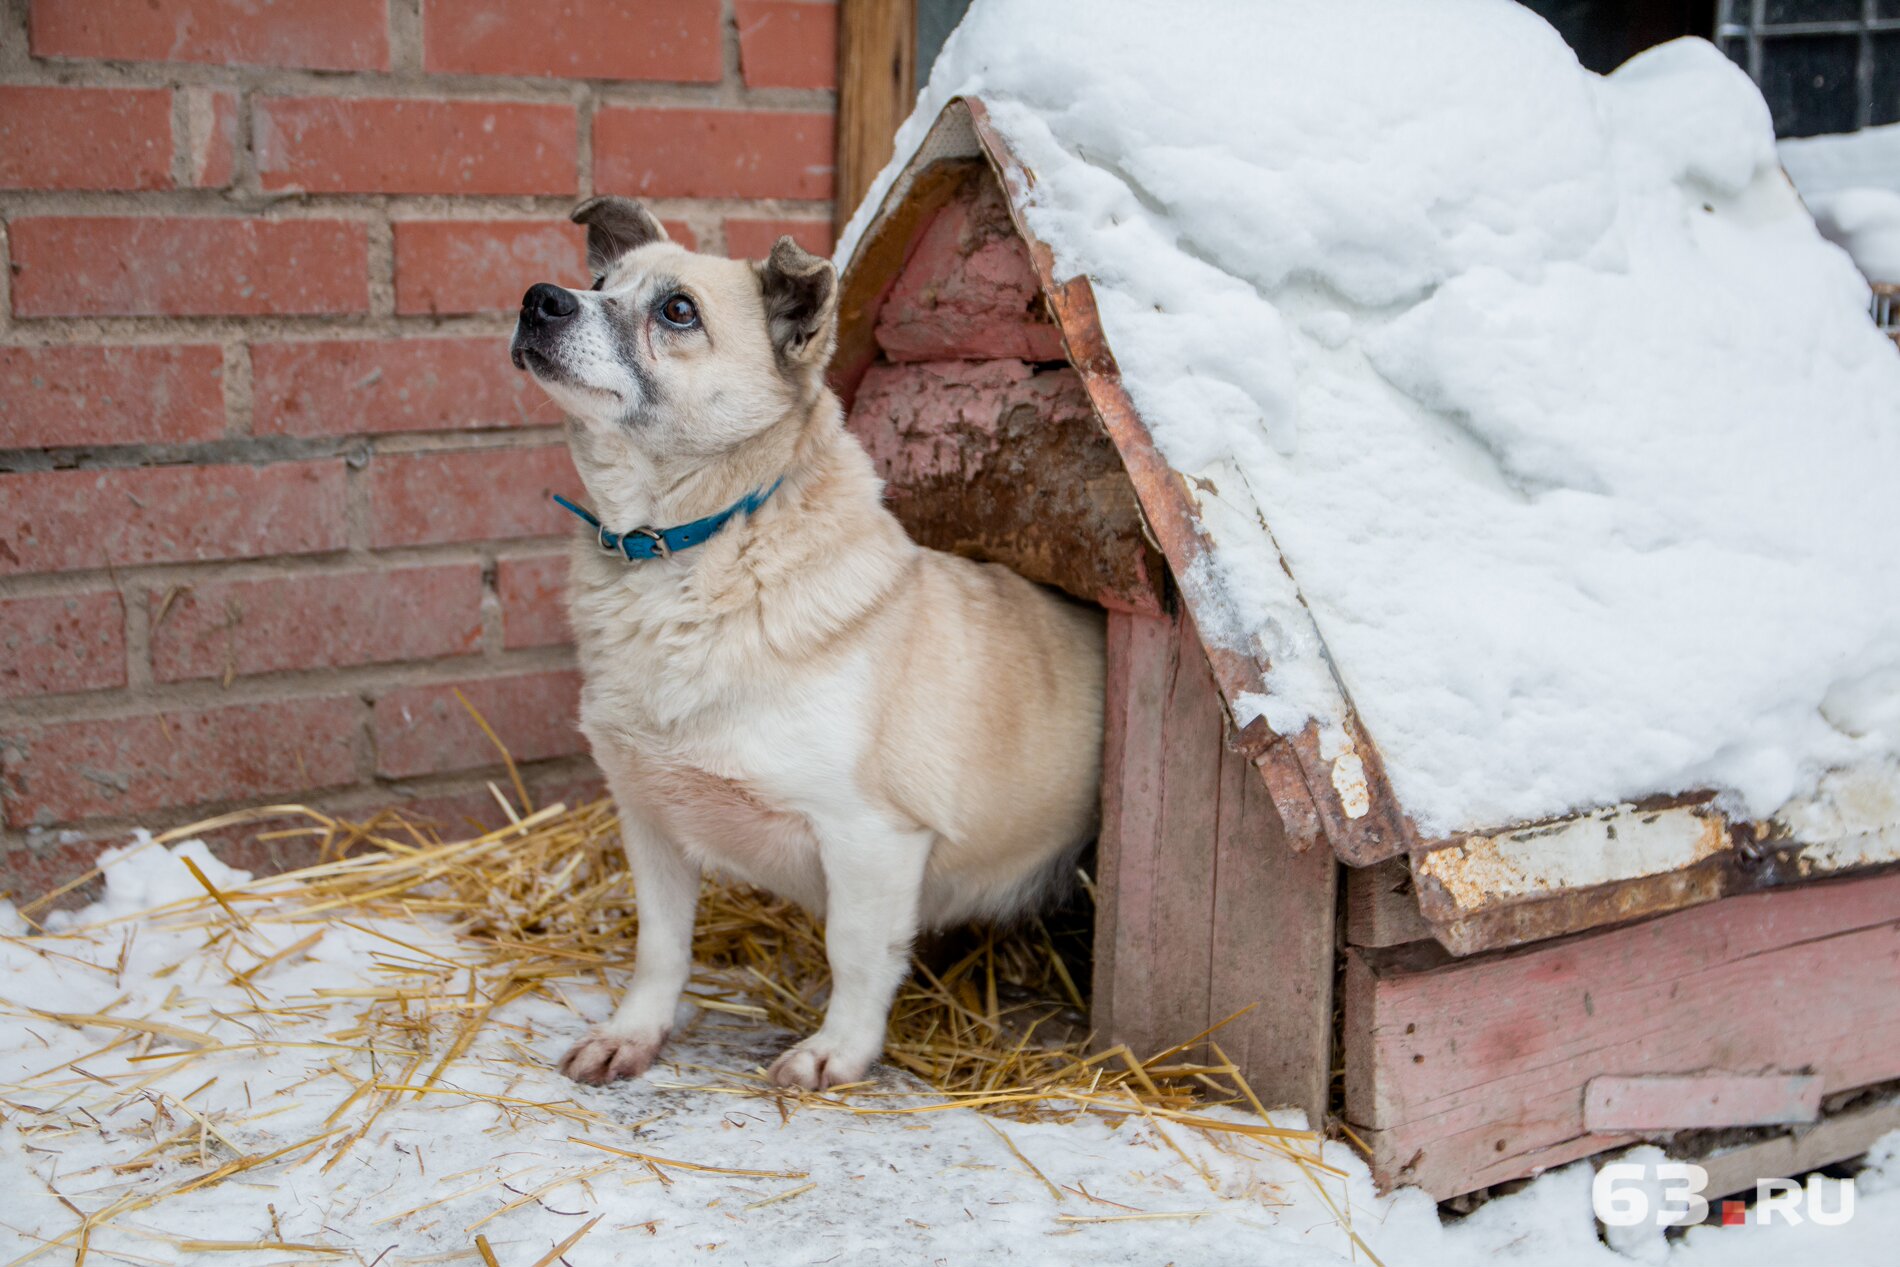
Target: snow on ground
1851	183
1573	431
110	1117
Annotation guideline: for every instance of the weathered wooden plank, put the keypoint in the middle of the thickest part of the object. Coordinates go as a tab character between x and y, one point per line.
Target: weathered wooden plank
968	290
1002	461
1179	933
1139	650
1201	908
1624	862
1835	1137
877	84
1273	947
1381	906
1654	1103
1464	1073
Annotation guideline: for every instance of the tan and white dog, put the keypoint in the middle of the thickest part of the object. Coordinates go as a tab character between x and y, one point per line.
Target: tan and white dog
895	738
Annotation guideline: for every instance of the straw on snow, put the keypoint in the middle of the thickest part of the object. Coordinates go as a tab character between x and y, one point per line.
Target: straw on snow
546	901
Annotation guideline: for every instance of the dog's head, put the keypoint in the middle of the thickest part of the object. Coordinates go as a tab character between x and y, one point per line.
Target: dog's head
679	352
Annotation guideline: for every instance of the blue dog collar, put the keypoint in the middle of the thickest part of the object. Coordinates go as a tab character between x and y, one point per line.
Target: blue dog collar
649	543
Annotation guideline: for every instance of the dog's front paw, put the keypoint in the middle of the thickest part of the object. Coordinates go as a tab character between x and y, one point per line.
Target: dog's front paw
818	1063
604	1056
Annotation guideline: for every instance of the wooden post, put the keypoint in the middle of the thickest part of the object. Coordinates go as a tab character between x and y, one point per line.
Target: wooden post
877	84
1202	908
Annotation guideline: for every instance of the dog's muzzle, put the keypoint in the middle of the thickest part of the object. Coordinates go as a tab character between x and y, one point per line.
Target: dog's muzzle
545	309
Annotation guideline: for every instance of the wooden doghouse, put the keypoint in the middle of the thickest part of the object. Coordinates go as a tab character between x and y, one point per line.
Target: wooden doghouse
1500	1002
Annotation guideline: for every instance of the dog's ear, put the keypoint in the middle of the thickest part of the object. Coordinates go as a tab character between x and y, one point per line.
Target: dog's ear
801	304
614	227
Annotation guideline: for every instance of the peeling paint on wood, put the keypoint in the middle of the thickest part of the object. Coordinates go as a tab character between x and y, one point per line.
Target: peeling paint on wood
996	461
968	289
1349	781
1621	843
1630	861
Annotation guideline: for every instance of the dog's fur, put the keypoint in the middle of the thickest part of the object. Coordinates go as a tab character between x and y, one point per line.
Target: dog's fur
896	738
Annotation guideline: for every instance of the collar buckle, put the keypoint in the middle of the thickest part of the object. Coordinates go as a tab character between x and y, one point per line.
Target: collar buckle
654	535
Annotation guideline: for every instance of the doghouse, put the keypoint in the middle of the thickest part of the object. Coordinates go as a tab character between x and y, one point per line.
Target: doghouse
1500	1002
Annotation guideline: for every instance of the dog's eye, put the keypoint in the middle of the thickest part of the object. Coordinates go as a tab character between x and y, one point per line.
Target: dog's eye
678	310
599	282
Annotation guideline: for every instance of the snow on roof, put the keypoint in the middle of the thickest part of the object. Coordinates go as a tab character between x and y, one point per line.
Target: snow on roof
1851	183
1868	159
1572	431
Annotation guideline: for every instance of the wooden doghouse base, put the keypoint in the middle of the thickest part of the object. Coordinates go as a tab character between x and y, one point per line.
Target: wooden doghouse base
1464	1073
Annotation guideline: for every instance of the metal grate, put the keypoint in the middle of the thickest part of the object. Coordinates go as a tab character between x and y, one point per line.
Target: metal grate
1823	65
1887	309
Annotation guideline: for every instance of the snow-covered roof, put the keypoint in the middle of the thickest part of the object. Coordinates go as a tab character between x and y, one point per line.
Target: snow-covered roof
1525	410
1851	182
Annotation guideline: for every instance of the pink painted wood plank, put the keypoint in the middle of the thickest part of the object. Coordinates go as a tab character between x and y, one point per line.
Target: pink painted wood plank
1138	653
1273	947
1680	1102
969	290
1468	1072
1202	909
1179	934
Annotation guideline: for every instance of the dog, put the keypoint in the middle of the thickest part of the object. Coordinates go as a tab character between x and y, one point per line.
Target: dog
779	685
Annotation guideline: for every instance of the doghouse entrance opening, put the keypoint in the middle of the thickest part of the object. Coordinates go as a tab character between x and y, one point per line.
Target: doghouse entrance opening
990	449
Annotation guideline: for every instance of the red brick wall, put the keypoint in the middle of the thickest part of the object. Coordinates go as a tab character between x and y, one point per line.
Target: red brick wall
269	488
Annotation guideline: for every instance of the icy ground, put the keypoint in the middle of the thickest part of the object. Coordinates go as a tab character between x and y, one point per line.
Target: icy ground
236	1115
1572	431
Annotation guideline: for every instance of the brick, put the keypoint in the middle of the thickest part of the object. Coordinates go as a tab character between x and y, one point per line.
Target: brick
788	44
27	872
426	730
679	153
53	521
63	642
457	266
483	265
533	594
315	34
233	628
338	145
753	239
358	386
32	870
674	40
64	772
211	126
67	395
458	815
163	266
469	495
85	138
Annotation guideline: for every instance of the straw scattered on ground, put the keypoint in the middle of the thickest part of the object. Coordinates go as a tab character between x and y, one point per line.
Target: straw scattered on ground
543	907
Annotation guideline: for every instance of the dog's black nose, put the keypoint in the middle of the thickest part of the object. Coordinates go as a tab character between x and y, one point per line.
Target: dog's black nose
545	304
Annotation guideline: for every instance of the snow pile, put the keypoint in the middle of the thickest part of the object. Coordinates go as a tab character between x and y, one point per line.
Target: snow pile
1573	431
140	876
348	1165
1852	185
